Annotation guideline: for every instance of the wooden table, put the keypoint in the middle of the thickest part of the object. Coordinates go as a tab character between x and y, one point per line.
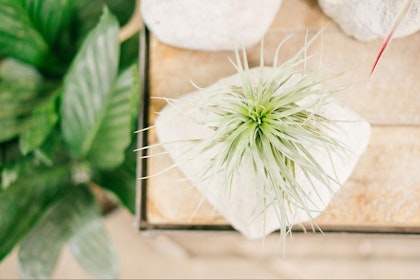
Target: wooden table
383	193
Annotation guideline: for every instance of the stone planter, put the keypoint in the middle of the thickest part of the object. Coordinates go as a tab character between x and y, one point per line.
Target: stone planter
371	19
209	25
179	122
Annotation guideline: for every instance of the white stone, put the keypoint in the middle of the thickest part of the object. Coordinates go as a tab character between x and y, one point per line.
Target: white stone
242	207
371	19
209	24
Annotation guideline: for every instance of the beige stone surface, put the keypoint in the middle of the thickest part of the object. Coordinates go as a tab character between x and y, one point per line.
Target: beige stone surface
383	191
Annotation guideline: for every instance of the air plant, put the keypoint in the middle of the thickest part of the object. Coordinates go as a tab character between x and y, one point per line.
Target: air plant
271	124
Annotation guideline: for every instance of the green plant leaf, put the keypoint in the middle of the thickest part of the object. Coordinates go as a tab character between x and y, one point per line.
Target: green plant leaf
91	246
40	248
30	30
18	36
129	53
55	21
12	127
9	153
12	70
88	85
135	98
96	103
70	215
114	134
21	90
52	151
17	100
49	17
43	120
12	163
89	12
24	202
122	181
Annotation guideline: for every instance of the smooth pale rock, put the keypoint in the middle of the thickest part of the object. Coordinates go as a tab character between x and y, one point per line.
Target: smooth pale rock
242	207
371	19
209	25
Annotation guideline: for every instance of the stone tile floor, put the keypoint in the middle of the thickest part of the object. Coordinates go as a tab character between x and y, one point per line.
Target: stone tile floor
181	254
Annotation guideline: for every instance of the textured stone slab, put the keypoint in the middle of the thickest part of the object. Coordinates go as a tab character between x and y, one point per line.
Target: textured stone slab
385	187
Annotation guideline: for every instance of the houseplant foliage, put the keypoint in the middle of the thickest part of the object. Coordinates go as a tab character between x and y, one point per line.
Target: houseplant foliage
69	99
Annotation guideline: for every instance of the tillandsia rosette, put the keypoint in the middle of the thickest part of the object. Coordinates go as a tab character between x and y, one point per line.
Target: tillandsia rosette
268	147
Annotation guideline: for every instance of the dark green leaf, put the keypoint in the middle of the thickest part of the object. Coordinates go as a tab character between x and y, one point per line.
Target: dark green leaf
135	98
88	85
53	149
19	87
89	12
114	134
43	120
18	36
11	163
9	152
55	21
19	96
129	53
71	214
23	203
50	17
9	128
122	181
33	31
